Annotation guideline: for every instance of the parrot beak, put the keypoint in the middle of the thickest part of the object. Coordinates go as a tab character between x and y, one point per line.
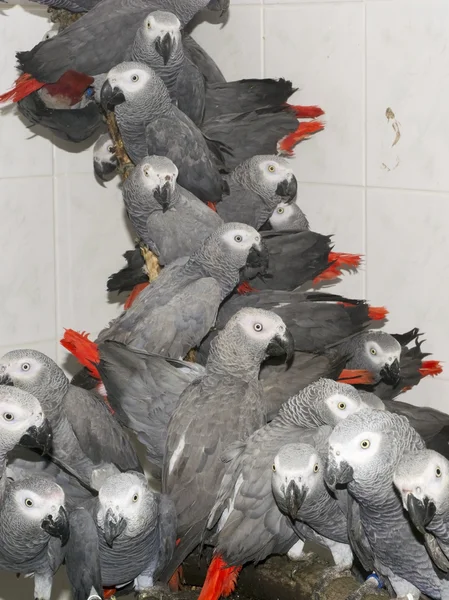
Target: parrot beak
421	512
164	195
38	437
58	527
113	526
258	257
391	374
287	189
282	344
111	97
5	379
220	6
164	46
104	170
337	474
294	499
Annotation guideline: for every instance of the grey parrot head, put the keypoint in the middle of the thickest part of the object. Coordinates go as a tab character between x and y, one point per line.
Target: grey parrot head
422	480
256	334
365	449
269	176
22	421
287	216
333	401
155	176
33	372
378	352
231	248
160	33
125	506
51	33
220	6
297	471
134	84
105	159
38	504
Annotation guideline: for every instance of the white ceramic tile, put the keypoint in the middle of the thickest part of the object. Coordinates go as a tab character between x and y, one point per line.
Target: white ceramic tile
48	347
23	151
408	72
70	157
338	211
407	262
236	44
91	236
320	47
27	265
432	391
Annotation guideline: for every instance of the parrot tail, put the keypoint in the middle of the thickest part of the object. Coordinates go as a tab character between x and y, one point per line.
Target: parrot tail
303	131
430	367
306	112
377	313
133	295
108	593
342	259
220	580
84	350
24	86
245	288
212	206
355	376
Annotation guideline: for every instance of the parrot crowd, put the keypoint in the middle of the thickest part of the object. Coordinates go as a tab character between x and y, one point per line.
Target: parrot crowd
271	412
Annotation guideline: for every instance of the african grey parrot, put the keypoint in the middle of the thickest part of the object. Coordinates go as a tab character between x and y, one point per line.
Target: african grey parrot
287	216
364	451
89	448
175	312
128	277
421	478
226	405
105	159
34	529
245	516
150	124
135	531
168	219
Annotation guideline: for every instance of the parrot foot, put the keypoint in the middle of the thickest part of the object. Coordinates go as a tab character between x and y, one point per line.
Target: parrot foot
151	263
329	575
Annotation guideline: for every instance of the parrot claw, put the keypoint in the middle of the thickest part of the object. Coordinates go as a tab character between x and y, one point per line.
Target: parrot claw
327	578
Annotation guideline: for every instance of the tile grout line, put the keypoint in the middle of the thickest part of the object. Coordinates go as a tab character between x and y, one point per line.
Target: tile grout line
365	174
55	249
262	41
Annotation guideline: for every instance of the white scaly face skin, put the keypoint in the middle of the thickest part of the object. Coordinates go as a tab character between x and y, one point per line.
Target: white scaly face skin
341	406
36	506
299	463
159	23
131	80
358	451
50	34
104	151
20	368
17	417
261	325
241	237
274	170
124	494
383	354
156	171
424	474
282	215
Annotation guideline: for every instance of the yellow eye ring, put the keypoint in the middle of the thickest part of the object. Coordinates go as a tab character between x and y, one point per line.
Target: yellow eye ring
365	444
135	497
316	468
271	168
438	472
28	502
341	405
273	468
280	210
373	351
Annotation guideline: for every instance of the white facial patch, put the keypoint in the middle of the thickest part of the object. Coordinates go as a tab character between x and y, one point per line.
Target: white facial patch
240	238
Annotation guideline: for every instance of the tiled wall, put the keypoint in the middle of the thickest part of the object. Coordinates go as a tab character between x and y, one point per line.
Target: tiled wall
61	234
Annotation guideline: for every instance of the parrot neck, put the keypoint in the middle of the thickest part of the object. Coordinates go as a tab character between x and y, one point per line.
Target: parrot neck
167	72
300	412
249	180
226	275
230	355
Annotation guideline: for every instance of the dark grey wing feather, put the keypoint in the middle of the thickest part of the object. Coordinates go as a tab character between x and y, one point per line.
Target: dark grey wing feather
191	92
242	206
167	532
202	60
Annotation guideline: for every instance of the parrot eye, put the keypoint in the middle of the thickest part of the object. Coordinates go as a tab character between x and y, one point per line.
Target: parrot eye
438	472
134	78
271	168
280	210
365	444
111	149
26	367
258	326
8	416
341	405
146	172
273	468
373	351
316	468
135	497
238	238
149	24
28	502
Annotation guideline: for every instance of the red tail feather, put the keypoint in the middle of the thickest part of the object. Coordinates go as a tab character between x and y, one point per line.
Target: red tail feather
377	313
341	259
24	86
108	592
303	131
306	112
245	288
220	580
133	295
430	367
355	376
212	206
330	273
83	349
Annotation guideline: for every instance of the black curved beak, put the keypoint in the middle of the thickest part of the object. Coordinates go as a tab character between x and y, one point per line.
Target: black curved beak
58	527
219	6
38	437
287	189
113	526
5	379
111	97
164	46
421	512
391	374
164	195
104	170
258	258
282	344
337	474
294	499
